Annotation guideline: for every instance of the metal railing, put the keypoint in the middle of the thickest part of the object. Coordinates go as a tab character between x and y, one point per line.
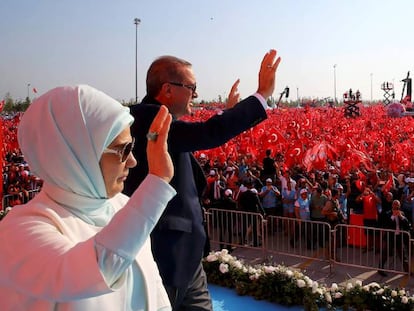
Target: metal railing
236	229
347	245
24	197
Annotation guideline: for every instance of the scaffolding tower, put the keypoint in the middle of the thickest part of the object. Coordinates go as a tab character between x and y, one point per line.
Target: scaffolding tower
351	102
389	94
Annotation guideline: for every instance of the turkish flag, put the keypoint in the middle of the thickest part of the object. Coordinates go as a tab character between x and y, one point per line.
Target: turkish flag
318	156
34	90
294	155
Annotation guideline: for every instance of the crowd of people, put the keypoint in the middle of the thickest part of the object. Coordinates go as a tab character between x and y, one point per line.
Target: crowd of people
18	181
237	159
382	198
19	184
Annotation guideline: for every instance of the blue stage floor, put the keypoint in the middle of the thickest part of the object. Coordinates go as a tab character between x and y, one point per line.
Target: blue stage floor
225	299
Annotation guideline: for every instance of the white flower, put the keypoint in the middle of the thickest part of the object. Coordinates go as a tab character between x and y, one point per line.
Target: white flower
226	257
252	270
224	251
358	283
237	264
289	273
254	276
224	268
315	287
244	269
269	269
297	274
394	293
366	288
300	283
328	297
334	287
318	291
404	299
401	292
374	284
349	286
338	295
211	258
380	291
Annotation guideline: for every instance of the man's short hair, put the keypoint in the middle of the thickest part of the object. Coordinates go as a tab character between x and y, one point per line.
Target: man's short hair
164	69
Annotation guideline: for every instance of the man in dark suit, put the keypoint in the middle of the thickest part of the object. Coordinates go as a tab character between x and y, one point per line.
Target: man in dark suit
394	242
179	237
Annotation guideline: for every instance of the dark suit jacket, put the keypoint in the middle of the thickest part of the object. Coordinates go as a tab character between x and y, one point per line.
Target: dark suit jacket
386	222
179	237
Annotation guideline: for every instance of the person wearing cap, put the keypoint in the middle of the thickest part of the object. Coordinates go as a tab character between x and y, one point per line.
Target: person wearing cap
231	177
343	199
81	244
216	184
289	196
211	176
179	237
224	219
204	163
333	181
270	195
249	201
302	213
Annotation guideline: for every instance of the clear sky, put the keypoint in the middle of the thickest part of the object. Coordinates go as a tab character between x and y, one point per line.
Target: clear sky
48	43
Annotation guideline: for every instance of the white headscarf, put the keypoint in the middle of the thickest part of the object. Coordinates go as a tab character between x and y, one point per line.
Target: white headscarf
62	135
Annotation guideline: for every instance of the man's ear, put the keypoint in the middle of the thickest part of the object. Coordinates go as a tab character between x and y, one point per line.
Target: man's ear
166	90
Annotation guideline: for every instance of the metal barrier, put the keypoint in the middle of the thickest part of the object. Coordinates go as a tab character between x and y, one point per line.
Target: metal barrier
347	245
7	199
371	247
299	238
236	229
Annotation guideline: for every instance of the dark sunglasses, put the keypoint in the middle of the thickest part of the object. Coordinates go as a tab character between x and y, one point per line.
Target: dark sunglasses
122	153
192	87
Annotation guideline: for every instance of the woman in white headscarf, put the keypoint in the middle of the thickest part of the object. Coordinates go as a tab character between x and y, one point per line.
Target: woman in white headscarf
80	244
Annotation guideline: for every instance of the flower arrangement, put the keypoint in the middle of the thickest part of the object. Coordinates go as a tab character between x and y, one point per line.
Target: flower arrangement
286	286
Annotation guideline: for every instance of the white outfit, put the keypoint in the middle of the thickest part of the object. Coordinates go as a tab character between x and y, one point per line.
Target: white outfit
49	261
72	248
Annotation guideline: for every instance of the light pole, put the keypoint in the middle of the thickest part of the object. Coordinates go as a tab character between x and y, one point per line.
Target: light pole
137	21
297	95
334	67
371	86
28	91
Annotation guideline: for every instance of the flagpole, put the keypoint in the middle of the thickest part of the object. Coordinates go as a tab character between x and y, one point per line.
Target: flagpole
137	21
28	92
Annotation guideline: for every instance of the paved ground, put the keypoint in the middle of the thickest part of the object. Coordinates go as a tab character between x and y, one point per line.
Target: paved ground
319	270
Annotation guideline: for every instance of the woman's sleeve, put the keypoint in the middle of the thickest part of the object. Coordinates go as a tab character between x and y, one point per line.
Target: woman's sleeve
120	241
38	259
